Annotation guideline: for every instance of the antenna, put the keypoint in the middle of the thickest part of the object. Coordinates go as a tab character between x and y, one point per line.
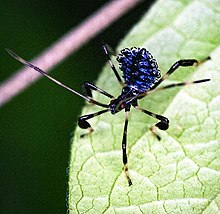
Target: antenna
14	55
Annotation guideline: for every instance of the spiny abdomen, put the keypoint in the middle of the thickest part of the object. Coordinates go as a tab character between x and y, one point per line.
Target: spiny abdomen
139	68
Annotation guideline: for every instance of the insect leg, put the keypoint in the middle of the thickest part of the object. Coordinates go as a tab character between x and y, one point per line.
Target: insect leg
89	87
84	124
106	50
181	84
182	63
163	124
124	148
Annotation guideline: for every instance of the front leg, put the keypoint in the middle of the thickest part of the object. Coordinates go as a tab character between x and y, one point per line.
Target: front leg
163	124
84	124
90	86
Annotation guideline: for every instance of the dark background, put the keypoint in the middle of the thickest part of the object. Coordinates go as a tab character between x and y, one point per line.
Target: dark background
36	126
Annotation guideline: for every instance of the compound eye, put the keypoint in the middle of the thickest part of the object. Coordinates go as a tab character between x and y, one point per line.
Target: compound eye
122	106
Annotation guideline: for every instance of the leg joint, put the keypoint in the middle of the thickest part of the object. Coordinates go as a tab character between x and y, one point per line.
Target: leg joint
83	124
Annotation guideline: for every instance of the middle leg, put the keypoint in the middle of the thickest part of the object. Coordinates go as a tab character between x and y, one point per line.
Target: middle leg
124	147
180	63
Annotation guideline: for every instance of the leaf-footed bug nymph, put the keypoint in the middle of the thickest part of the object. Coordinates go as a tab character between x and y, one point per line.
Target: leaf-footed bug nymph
141	77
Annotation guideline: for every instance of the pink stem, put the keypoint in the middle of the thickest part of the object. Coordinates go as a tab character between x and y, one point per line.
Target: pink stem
66	45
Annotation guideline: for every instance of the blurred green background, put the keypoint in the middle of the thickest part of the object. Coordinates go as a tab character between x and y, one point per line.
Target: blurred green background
36	126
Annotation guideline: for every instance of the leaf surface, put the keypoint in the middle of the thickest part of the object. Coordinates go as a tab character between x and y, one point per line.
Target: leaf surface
180	173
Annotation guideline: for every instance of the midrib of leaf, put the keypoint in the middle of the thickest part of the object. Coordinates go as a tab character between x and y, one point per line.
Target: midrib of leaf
99	185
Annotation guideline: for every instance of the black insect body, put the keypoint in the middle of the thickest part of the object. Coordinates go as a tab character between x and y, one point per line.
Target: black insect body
140	70
141	77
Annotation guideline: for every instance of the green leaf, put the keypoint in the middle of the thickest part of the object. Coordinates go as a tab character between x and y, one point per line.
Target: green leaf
180	173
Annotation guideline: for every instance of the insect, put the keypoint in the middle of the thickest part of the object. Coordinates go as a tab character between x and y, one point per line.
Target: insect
141	77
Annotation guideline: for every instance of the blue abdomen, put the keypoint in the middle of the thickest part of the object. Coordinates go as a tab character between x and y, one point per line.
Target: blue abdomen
139	68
